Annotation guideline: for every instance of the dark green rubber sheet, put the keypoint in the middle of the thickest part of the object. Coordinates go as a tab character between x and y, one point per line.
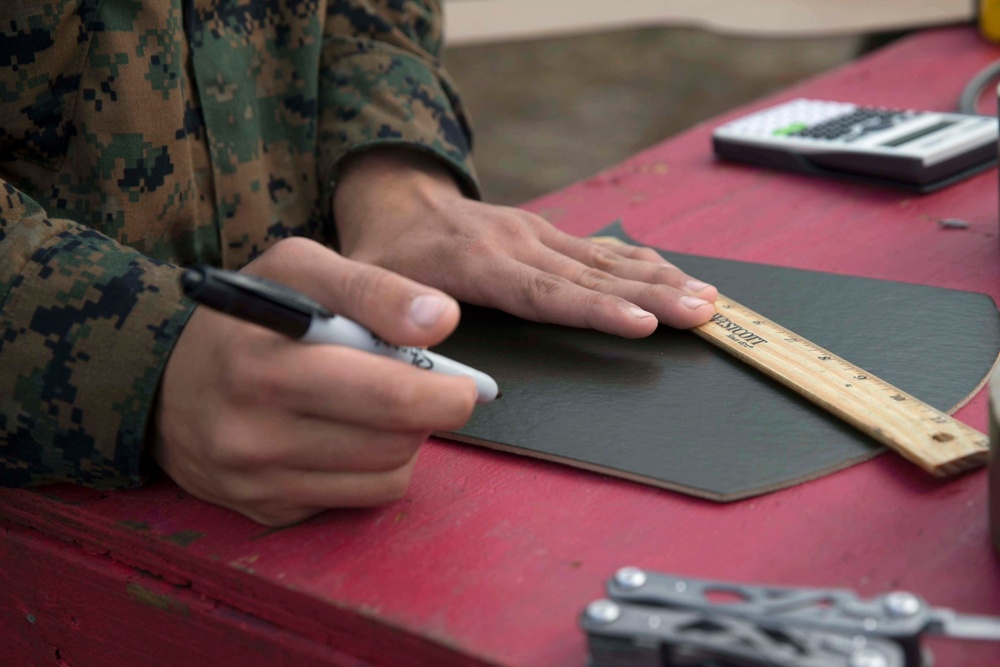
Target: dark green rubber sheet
673	411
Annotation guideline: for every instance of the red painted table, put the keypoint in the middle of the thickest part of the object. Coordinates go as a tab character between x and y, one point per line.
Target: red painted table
491	557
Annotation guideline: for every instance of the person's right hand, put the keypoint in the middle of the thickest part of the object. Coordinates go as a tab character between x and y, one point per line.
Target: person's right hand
280	430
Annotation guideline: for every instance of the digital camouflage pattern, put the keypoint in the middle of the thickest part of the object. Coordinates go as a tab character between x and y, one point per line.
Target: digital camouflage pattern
139	135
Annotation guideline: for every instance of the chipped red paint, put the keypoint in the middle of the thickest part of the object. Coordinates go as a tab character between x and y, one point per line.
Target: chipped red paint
490	557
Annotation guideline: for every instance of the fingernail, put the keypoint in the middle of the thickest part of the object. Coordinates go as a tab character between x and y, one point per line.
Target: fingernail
693	302
426	309
640	314
696	285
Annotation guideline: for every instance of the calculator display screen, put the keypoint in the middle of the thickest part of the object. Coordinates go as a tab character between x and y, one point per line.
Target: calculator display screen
906	138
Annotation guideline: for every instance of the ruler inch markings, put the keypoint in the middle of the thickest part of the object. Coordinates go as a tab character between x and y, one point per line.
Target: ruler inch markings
937	442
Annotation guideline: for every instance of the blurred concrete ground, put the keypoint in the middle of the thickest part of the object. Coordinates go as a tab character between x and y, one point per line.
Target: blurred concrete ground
550	112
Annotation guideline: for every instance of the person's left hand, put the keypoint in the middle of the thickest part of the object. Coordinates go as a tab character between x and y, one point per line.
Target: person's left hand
403	211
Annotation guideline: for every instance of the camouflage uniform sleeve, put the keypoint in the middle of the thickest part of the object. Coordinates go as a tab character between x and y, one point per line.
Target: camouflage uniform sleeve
382	84
86	326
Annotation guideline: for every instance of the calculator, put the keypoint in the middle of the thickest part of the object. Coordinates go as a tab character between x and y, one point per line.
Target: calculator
916	150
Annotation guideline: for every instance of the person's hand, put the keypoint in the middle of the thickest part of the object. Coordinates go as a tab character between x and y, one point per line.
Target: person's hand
280	430
403	211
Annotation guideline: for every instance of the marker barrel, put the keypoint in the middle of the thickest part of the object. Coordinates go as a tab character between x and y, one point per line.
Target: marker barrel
339	330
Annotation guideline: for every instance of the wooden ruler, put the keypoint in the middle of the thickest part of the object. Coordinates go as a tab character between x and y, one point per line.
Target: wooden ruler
923	434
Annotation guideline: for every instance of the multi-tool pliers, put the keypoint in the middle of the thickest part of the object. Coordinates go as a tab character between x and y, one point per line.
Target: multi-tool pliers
651	619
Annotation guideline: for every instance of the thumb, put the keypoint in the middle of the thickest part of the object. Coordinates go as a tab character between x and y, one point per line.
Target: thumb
397	309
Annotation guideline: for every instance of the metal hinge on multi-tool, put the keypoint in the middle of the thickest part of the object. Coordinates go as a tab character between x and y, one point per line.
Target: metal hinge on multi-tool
652	619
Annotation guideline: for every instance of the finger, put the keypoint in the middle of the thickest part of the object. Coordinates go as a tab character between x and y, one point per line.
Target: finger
340	383
541	296
348	448
398	309
671	305
273	495
616	244
642	253
303	443
631	262
285	497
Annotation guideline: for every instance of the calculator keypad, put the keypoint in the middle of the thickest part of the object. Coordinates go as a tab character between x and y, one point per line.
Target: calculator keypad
854	125
817	120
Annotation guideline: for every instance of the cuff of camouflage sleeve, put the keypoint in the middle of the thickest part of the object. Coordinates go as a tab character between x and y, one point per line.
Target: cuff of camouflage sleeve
386	97
88	329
